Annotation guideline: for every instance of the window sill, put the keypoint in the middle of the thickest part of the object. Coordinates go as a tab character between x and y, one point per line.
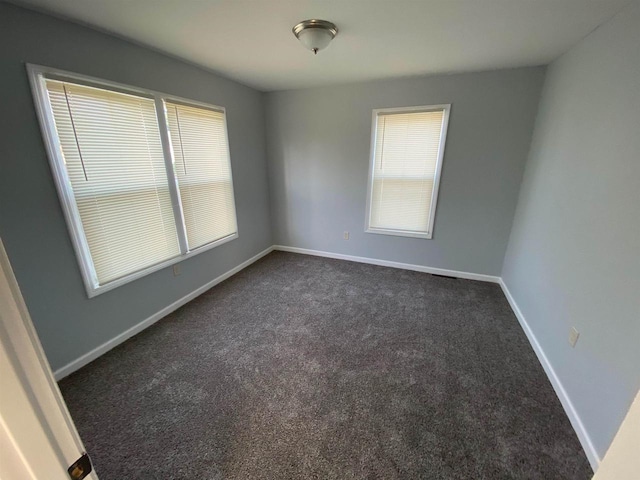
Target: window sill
399	233
93	290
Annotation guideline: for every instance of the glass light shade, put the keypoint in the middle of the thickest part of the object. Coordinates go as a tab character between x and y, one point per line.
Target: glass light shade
315	39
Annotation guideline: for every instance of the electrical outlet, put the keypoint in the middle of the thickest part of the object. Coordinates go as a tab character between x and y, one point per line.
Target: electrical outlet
345	235
177	270
573	336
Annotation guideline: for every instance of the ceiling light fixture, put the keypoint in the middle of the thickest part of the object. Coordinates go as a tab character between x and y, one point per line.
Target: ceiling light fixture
315	34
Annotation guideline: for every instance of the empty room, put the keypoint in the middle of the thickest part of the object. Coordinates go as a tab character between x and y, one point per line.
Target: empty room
320	239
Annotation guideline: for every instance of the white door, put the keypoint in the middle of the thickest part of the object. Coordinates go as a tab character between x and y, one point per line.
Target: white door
38	439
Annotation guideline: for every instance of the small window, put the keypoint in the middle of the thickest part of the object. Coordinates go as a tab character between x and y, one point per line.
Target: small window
407	148
144	178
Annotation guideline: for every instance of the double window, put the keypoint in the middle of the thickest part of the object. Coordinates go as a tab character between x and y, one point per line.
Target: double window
144	178
407	148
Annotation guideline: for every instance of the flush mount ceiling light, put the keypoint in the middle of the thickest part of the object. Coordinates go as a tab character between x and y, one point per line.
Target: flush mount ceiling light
315	34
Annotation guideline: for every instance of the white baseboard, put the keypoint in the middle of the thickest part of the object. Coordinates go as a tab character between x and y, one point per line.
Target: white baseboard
386	263
574	418
570	410
117	340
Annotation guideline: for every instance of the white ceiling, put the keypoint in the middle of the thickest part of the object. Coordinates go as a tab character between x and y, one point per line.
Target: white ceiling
251	40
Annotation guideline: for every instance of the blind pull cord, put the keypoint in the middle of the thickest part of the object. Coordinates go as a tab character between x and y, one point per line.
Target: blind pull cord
384	127
184	160
75	134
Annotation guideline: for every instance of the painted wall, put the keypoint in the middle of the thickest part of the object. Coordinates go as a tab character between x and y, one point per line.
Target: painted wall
31	221
318	147
574	253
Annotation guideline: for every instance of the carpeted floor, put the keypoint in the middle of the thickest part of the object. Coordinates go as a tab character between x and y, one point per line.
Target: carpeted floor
305	367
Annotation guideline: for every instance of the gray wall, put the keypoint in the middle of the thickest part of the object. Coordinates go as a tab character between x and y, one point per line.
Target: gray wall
318	148
31	222
574	253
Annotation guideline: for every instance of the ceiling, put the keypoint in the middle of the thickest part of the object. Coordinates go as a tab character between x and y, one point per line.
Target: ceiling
251	40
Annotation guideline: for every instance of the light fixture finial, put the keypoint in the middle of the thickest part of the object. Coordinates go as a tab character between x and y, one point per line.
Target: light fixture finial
315	34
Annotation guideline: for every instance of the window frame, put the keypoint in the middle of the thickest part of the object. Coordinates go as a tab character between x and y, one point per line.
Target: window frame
38	75
446	108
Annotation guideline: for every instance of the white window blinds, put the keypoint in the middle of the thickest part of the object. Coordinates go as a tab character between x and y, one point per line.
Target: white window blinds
144	178
115	163
201	153
407	154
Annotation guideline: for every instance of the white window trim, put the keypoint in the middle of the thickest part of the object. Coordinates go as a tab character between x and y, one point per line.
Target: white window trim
37	75
446	107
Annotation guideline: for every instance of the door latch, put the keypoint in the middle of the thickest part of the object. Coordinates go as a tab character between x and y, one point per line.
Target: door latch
80	468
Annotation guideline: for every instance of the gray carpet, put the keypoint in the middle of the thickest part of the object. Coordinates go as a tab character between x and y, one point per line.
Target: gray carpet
305	367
